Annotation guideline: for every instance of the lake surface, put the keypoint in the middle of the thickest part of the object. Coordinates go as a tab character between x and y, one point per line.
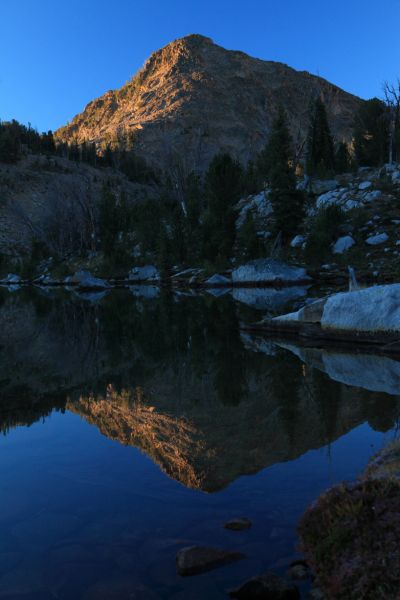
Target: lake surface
138	423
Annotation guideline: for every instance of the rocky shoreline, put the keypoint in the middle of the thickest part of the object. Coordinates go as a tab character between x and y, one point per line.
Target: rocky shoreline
369	317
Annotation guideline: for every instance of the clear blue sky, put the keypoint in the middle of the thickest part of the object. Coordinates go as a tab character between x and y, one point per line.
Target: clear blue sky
57	55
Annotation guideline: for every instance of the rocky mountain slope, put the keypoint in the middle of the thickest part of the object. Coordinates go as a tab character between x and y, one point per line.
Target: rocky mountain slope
47	197
193	98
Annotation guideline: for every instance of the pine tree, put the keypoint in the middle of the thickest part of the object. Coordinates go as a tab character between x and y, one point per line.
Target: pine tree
286	200
163	250
320	149
249	245
371	133
9	146
109	221
253	182
223	184
194	207
342	159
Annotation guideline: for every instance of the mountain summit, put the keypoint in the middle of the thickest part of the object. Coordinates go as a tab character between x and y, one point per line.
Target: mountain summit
194	98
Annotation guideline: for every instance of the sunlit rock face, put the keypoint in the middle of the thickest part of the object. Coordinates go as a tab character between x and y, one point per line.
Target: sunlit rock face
193	98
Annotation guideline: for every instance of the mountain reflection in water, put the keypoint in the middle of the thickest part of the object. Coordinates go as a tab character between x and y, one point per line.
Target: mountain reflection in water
176	378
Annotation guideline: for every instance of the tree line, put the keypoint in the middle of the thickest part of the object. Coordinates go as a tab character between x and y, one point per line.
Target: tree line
198	226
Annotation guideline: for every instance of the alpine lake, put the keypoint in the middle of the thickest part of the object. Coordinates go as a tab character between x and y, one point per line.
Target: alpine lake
138	422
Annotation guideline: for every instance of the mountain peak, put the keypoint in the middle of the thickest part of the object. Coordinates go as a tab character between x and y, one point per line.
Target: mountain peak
194	39
193	98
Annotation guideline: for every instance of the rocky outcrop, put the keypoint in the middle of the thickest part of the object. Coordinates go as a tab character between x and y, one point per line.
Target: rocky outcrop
193	98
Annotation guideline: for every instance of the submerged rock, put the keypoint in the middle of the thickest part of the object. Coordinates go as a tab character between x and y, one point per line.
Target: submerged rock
238	524
198	559
266	587
265	270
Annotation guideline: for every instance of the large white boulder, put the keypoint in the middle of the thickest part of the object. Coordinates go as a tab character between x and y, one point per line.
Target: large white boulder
376	240
147	273
343	244
374	309
268	270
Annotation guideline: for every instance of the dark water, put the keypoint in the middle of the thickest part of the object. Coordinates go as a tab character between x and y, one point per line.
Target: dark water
134	426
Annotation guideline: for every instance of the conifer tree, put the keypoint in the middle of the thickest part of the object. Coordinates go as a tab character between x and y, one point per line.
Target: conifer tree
253	181
320	149
287	201
223	184
371	133
194	207
109	220
342	159
249	246
9	146
163	250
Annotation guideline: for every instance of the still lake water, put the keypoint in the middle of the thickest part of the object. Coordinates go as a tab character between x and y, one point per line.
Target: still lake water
136	425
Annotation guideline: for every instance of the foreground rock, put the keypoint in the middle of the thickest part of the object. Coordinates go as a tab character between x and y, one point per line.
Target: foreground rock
266	587
350	537
268	271
198	559
238	524
370	315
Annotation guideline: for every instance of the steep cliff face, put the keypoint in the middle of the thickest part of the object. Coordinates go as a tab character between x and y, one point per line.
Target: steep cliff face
193	98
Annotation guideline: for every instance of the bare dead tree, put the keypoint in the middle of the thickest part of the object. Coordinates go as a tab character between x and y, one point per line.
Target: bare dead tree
392	100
